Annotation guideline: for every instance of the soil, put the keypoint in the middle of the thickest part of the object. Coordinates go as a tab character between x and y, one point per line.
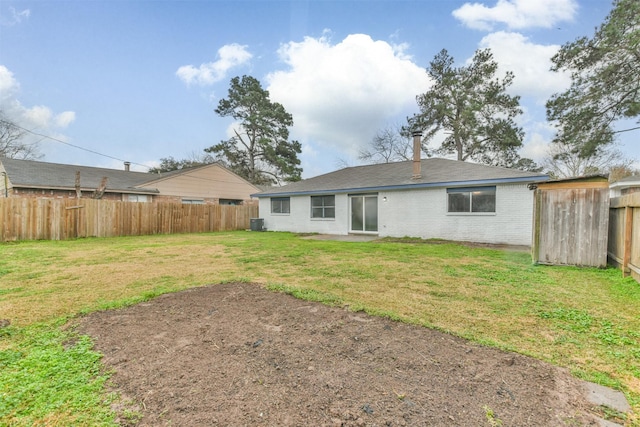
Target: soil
238	355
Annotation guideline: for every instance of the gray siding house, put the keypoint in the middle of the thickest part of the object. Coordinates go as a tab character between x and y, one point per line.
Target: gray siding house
207	184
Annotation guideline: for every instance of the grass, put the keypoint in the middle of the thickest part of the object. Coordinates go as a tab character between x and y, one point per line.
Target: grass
584	319
50	377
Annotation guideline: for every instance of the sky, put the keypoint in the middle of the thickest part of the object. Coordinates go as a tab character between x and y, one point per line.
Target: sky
103	82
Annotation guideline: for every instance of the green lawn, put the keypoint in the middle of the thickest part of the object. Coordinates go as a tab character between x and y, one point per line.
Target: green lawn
587	320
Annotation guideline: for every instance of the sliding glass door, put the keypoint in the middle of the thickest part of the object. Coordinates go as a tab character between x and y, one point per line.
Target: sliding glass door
364	213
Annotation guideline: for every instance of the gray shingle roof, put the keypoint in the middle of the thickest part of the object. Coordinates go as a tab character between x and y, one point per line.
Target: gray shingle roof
34	174
629	179
436	172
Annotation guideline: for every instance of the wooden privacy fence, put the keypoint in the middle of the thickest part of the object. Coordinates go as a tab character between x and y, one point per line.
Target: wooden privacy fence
61	219
570	222
624	234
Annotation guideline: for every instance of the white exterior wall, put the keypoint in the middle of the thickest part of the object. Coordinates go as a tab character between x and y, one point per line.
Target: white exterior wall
299	219
428	218
420	213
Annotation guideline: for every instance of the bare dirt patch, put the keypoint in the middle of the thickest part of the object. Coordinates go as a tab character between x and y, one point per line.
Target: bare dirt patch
239	355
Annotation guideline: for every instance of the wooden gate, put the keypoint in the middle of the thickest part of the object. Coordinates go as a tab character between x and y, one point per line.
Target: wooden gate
571	219
624	234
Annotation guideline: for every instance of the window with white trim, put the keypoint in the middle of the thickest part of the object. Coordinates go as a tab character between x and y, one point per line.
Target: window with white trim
192	202
280	205
142	198
471	200
323	206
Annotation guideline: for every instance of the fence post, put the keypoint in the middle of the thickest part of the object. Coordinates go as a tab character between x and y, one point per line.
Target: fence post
537	211
626	255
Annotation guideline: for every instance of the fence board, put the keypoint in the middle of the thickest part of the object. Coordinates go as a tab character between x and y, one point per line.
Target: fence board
60	219
572	226
624	234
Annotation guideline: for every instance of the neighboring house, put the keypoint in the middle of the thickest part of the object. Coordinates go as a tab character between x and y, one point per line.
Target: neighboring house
208	184
624	186
430	198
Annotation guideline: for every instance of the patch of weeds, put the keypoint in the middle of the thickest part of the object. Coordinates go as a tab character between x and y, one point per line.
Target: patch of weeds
611	414
564	339
601	378
569	319
131	416
379	313
307	294
609	335
453	272
400	396
40	378
627	289
10	290
236	280
491	417
9	357
128	412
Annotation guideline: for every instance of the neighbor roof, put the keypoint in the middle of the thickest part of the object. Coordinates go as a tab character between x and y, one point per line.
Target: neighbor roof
629	181
435	172
34	174
631	178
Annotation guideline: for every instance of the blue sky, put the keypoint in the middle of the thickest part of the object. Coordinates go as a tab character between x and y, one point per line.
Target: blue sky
139	80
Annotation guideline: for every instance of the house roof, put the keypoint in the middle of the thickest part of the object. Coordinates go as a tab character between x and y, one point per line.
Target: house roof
576	182
630	181
34	174
435	172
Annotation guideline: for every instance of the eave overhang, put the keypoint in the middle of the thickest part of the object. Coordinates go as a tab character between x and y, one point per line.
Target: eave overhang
410	186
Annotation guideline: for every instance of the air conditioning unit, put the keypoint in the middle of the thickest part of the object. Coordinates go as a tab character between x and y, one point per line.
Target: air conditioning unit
257	224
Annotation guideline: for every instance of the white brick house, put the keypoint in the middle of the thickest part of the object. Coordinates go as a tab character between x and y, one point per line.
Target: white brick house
430	198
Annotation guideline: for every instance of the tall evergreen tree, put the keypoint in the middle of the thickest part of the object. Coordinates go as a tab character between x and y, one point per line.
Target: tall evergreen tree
605	87
470	106
260	150
168	164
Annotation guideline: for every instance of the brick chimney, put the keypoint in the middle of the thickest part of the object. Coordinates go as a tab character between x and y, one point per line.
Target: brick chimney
417	149
127	166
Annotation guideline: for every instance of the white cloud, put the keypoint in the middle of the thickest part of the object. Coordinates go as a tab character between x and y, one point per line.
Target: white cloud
341	94
535	147
16	17
231	129
516	14
63	120
533	75
39	115
39	118
229	56
8	84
